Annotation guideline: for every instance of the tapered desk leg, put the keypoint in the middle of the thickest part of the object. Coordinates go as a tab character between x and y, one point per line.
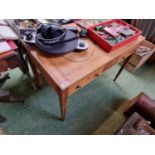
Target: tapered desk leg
63	98
122	67
37	79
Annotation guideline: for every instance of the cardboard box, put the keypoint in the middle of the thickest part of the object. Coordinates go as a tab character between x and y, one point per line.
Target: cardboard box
130	67
137	60
152	58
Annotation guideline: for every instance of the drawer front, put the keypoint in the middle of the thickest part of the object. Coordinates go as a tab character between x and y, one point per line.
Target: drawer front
92	76
13	62
86	80
3	66
111	63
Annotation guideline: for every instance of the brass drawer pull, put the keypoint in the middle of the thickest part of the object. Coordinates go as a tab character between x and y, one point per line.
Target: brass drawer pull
78	87
96	75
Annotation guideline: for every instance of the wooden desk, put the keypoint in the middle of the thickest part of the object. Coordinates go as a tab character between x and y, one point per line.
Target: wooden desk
70	72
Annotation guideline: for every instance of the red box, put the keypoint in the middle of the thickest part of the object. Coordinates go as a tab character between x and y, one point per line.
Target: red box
106	45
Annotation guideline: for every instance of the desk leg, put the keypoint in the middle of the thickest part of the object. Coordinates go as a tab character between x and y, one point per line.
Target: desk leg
37	79
122	67
23	66
63	98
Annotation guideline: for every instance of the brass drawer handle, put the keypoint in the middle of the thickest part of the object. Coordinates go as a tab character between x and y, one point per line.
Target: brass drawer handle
78	87
96	75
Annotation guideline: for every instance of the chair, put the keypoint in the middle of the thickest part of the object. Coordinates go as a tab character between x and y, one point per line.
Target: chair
144	105
9	60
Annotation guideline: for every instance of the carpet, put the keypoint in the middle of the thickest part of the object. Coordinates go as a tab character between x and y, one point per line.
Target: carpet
95	109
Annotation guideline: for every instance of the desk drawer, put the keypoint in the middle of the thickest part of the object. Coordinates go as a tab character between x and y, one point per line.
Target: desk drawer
86	80
9	63
3	66
12	62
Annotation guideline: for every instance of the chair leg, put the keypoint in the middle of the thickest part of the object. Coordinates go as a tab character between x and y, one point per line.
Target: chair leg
2	119
4	77
2	131
5	96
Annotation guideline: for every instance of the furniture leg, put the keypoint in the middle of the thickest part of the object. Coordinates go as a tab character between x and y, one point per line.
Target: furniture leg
27	61
2	131
6	96
22	64
37	79
63	104
122	67
4	77
2	119
25	65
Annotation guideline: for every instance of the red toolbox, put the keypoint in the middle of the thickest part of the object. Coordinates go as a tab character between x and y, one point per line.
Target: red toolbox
108	45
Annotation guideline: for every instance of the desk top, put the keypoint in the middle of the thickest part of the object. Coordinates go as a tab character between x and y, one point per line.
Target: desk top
67	69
